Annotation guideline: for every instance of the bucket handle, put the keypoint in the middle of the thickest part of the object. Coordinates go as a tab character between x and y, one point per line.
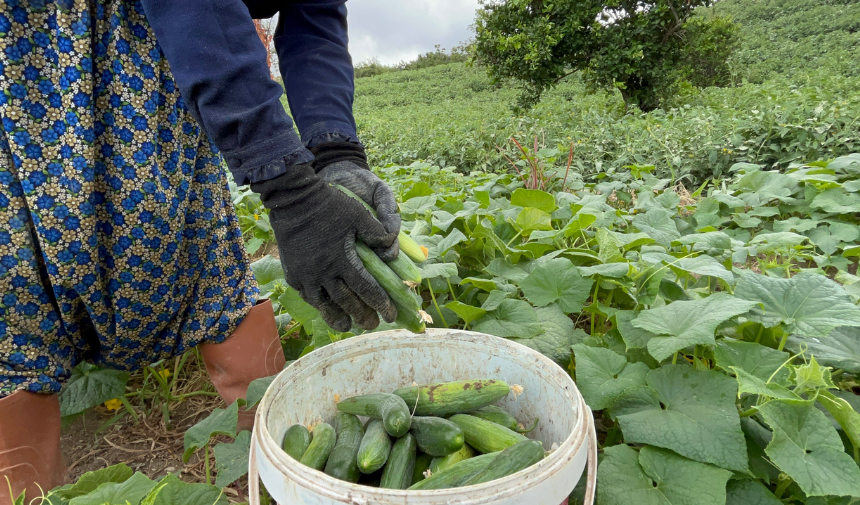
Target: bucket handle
591	477
253	474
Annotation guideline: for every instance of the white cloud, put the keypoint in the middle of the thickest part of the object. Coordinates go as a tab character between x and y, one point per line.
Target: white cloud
393	31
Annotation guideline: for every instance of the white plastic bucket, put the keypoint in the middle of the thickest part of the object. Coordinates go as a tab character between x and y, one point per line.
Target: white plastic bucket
384	361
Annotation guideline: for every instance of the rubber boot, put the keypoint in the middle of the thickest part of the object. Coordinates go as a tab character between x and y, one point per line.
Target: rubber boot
253	351
29	446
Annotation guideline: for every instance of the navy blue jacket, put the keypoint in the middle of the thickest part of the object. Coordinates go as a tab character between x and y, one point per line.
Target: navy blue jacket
219	64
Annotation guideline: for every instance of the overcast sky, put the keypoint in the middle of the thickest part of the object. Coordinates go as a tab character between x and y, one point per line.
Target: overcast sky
395	30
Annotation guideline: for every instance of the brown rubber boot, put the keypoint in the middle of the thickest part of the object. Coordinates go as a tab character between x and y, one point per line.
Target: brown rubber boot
29	446
253	351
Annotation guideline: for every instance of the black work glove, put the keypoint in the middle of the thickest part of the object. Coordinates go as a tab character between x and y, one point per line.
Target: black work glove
316	226
345	163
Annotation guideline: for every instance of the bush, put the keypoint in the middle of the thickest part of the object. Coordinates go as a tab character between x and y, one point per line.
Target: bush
439	114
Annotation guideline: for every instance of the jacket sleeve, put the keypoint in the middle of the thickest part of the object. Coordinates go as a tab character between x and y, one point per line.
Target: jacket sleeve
312	44
219	65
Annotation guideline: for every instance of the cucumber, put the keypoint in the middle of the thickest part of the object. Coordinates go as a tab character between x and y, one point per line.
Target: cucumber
439	464
496	415
486	436
446	398
401	463
455	474
407	244
502	417
422	464
342	462
321	446
405	269
411	248
513	459
296	441
407	303
391	409
436	436
374	448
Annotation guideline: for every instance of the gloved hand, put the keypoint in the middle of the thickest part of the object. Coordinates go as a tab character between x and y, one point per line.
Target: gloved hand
345	163
316	226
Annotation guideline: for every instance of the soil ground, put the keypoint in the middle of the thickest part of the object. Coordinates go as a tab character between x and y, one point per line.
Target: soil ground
147	446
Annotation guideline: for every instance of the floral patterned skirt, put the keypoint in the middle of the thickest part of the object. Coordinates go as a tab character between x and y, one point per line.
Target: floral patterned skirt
118	240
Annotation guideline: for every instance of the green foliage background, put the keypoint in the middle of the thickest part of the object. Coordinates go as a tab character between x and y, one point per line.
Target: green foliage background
795	98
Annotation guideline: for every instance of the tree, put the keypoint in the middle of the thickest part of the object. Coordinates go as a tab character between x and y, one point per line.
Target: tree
641	47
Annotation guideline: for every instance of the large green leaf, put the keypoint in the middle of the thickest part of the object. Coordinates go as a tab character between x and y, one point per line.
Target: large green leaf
611	270
268	270
501	267
452	239
433	270
219	422
513	318
536	198
634	337
754	385
231	459
767	243
688	411
686	323
172	491
256	390
837	201
467	313
417	205
808	304
602	375
579	222
658	224
494	299
807	448
301	311
840	349
749	492
844	414
90	481
703	265
557	281
558	336
797	224
132	490
657	477
755	359
530	219
90	386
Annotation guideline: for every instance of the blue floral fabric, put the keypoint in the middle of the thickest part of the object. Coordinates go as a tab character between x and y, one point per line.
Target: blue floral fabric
118	240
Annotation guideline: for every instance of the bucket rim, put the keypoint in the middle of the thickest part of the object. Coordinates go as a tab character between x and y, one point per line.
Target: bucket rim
347	492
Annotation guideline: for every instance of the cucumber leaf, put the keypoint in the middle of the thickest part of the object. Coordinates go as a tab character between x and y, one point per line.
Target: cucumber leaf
683	324
657	477
807	448
557	281
749	492
602	375
513	318
808	304
688	411
231	459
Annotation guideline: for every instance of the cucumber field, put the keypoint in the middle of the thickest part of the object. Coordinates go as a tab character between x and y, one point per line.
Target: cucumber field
694	268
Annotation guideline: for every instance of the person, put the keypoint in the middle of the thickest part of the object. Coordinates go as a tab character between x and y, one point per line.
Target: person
118	241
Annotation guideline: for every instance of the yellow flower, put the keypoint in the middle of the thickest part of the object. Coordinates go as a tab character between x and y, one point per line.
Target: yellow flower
114	404
164	373
256	217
